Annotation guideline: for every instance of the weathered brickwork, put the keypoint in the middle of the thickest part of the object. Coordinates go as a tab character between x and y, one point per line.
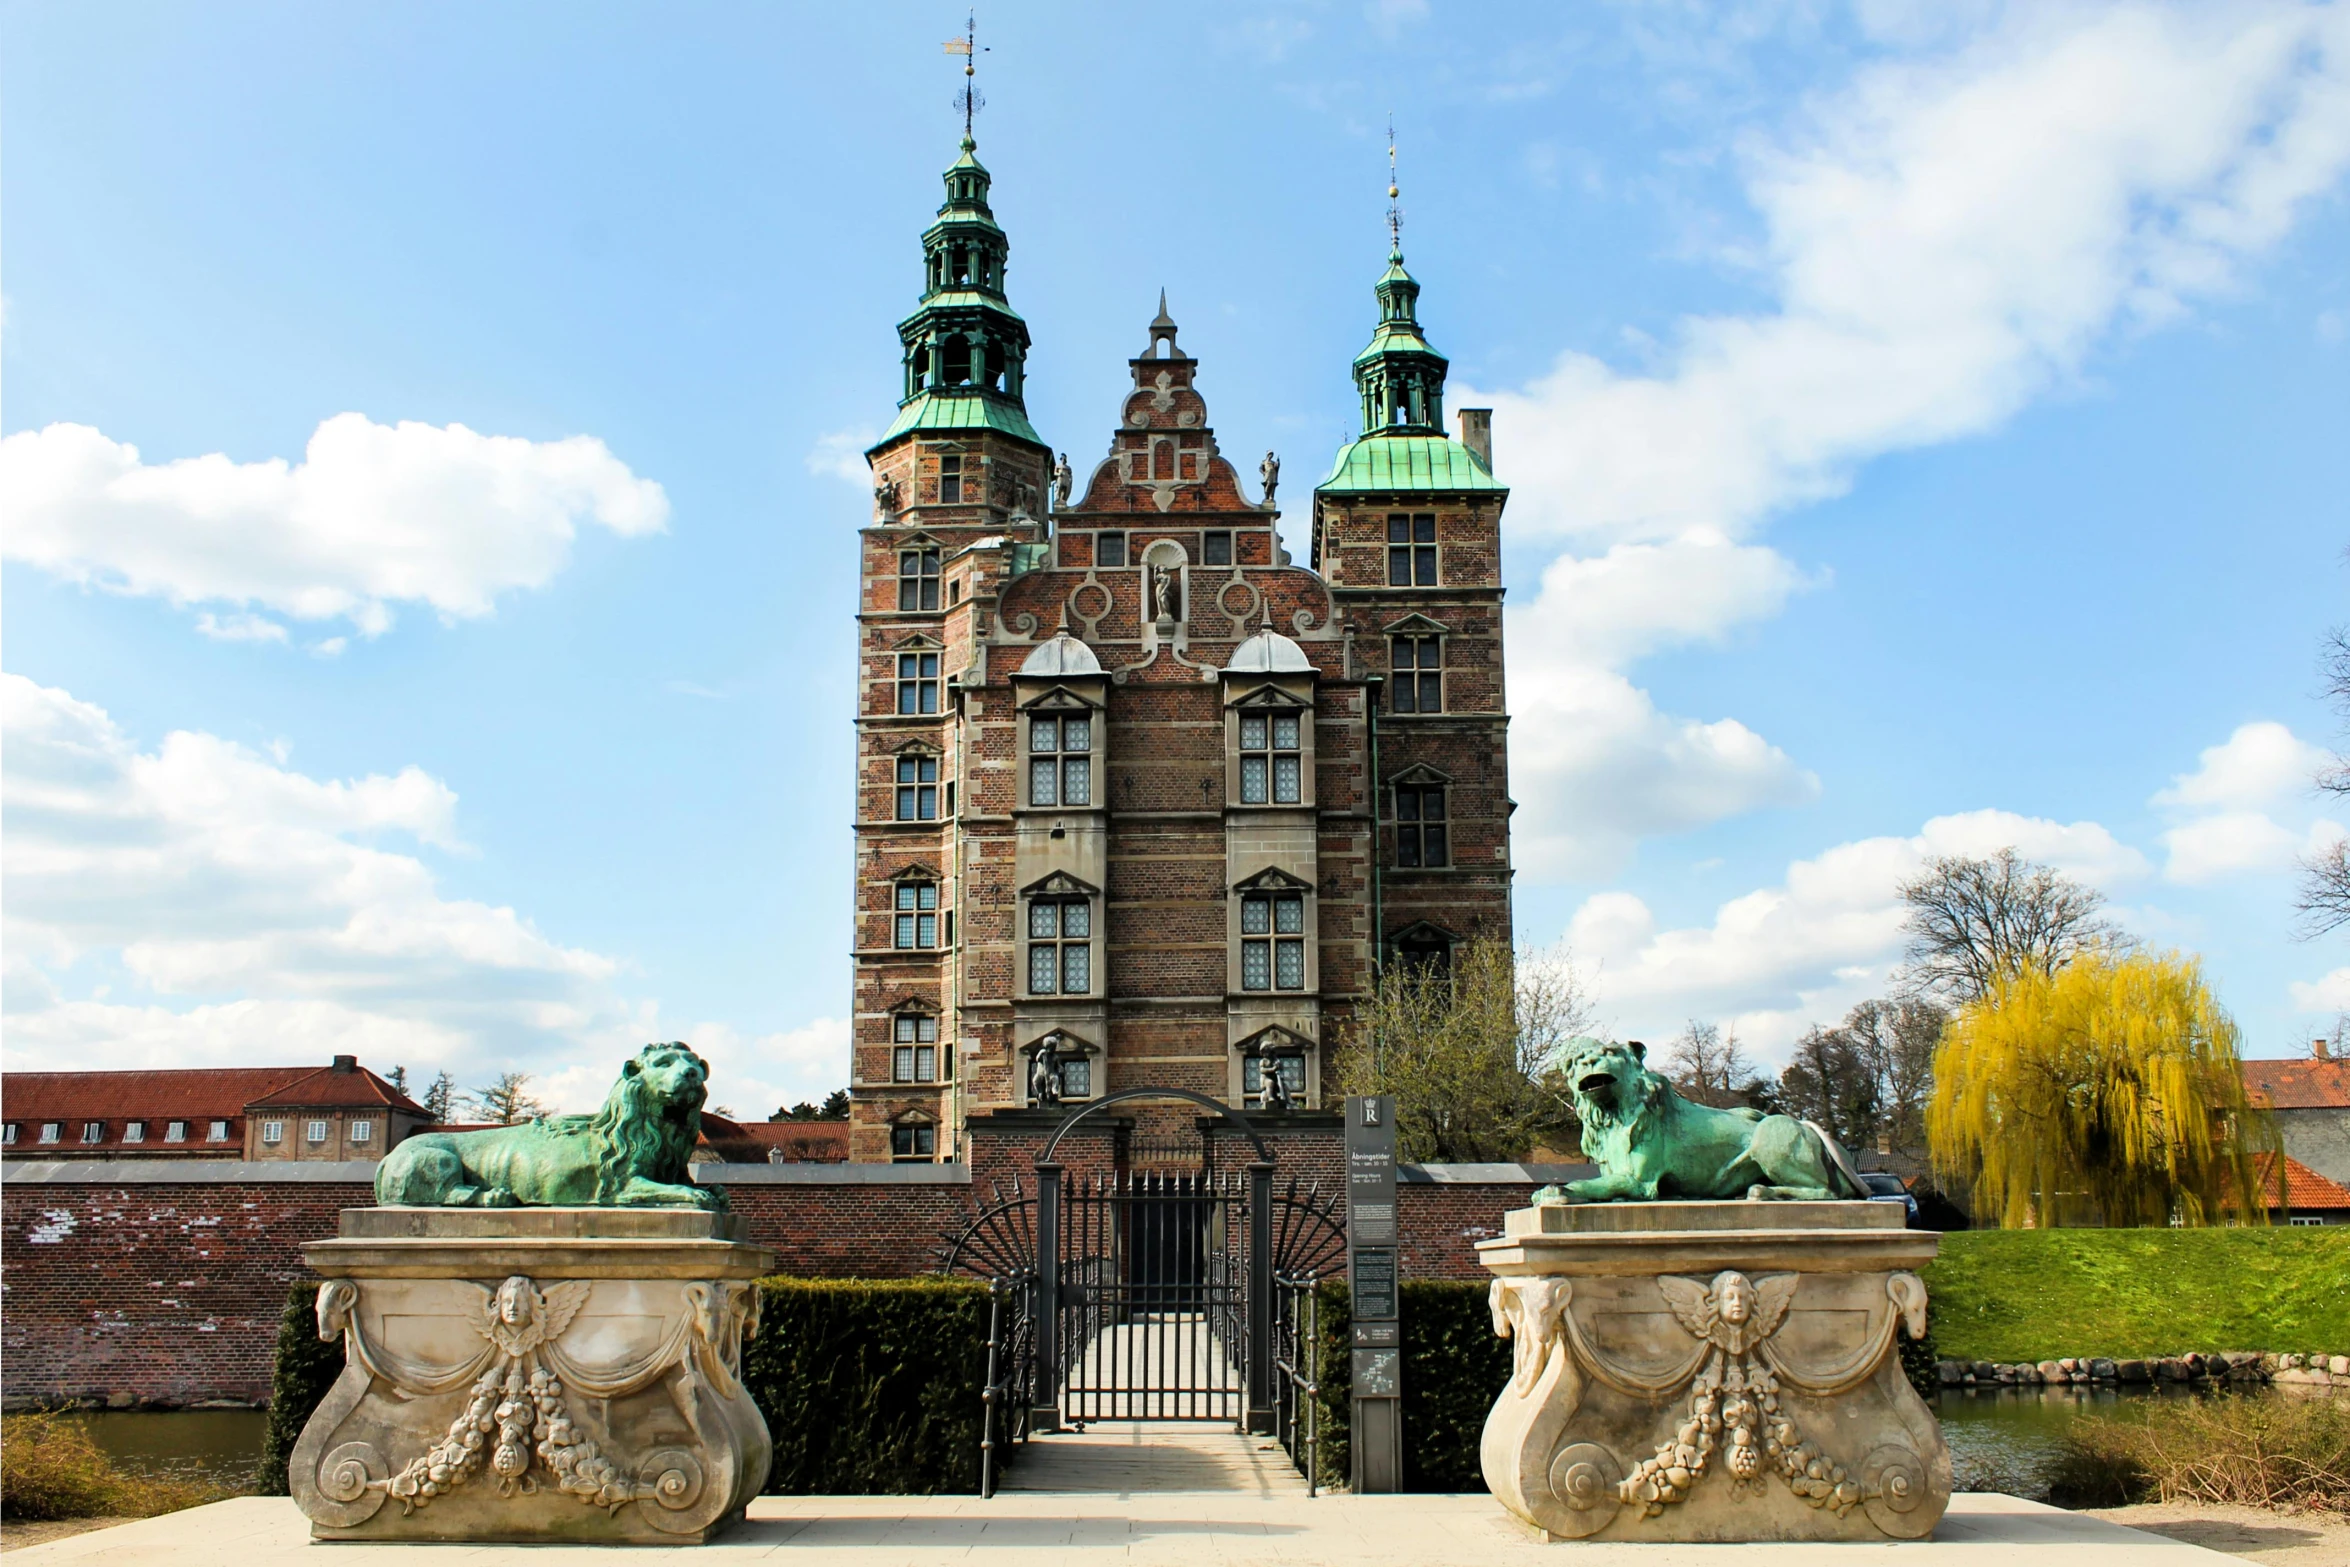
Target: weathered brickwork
1149	599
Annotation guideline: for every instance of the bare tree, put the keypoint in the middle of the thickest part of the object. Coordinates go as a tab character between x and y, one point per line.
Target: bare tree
505	1101
1712	1067
2325	875
1467	1051
1974	922
440	1098
1867	1080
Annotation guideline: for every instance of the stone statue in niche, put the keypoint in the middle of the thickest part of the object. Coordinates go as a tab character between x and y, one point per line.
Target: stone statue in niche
1270	471
1063	482
1163	605
1044	1076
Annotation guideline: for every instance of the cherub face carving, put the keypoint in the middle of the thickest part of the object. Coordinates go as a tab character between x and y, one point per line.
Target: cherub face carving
514	1302
1733	1298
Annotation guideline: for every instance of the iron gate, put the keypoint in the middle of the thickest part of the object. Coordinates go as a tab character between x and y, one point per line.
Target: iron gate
1159	1288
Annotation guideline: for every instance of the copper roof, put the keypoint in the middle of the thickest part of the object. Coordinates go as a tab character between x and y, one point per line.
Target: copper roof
2305	1189
2304	1083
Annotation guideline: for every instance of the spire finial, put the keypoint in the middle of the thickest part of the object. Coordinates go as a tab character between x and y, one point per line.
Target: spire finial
970	100
1394	192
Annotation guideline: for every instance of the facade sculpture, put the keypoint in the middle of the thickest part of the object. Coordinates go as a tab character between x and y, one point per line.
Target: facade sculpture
1651	1143
1270	471
633	1153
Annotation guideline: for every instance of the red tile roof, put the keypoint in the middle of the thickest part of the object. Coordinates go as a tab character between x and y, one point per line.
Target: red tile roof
328	1087
804	1142
190	1093
2305	1189
2305	1083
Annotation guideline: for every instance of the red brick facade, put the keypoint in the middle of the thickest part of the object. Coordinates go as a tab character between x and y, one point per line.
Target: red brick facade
1244	740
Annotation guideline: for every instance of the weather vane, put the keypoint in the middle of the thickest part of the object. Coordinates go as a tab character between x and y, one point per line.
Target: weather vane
1394	191
970	100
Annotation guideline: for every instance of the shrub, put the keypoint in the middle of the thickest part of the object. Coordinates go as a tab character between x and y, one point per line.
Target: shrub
1453	1368
2253	1449
871	1387
868	1386
50	1468
305	1369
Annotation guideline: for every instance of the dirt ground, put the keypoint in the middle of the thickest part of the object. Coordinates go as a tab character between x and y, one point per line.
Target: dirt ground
2256	1535
16	1536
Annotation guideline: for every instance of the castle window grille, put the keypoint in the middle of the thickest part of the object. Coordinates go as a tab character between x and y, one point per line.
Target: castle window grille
916	926
1411	550
1421	840
1272	772
913	1142
1272	946
1060	764
950	466
1060	947
1216	549
1418	682
917	683
917	788
917	579
1109	549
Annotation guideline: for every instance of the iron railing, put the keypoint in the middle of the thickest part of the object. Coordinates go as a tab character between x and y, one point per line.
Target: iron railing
1009	1396
1297	1401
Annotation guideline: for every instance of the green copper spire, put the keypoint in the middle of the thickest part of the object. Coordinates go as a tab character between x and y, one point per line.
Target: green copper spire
966	348
1400	377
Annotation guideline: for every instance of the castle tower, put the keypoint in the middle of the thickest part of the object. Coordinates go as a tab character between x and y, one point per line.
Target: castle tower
960	486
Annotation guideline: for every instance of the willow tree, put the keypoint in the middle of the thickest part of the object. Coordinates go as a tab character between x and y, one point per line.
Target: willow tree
2113	1083
1465	1049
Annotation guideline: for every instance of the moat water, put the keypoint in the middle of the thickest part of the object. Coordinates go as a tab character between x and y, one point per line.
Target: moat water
213	1447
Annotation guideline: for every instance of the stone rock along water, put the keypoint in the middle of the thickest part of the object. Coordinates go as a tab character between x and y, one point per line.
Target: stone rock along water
1723	1371
534	1375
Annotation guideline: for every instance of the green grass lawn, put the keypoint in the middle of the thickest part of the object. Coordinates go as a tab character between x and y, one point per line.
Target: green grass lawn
2043	1294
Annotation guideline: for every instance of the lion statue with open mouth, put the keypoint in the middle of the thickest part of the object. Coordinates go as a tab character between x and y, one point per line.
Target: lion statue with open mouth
1651	1143
633	1153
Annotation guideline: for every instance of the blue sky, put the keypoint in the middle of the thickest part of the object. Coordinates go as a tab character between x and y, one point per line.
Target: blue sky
429	545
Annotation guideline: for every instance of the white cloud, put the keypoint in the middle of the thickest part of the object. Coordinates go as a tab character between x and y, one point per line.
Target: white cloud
1947	238
239	628
1779	958
372	517
2229	807
258	915
841	454
2259	765
2330	994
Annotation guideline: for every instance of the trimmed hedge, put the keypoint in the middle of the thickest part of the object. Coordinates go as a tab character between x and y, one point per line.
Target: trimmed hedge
870	1387
1453	1369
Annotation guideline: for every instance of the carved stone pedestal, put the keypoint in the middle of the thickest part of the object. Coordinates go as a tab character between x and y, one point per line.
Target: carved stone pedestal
1713	1371
534	1374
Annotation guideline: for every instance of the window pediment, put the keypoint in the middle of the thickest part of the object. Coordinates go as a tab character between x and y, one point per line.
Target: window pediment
1275	1040
913	1118
1273	879
1420	773
915	1004
1268	696
1063	1043
1422	931
1416	625
915	872
1059	698
917	748
917	642
1060	884
919	539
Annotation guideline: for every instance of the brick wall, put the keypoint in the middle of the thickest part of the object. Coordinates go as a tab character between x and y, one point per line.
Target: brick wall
167	1292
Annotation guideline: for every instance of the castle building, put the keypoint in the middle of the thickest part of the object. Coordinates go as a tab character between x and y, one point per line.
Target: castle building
1135	790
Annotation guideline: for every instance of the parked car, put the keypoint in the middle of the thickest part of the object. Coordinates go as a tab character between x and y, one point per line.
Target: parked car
1885	1186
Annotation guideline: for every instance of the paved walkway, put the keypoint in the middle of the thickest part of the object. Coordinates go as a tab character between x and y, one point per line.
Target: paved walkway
1193	1529
1131	1457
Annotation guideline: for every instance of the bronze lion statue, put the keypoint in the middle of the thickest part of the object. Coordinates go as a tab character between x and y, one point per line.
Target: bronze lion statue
630	1154
1651	1143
